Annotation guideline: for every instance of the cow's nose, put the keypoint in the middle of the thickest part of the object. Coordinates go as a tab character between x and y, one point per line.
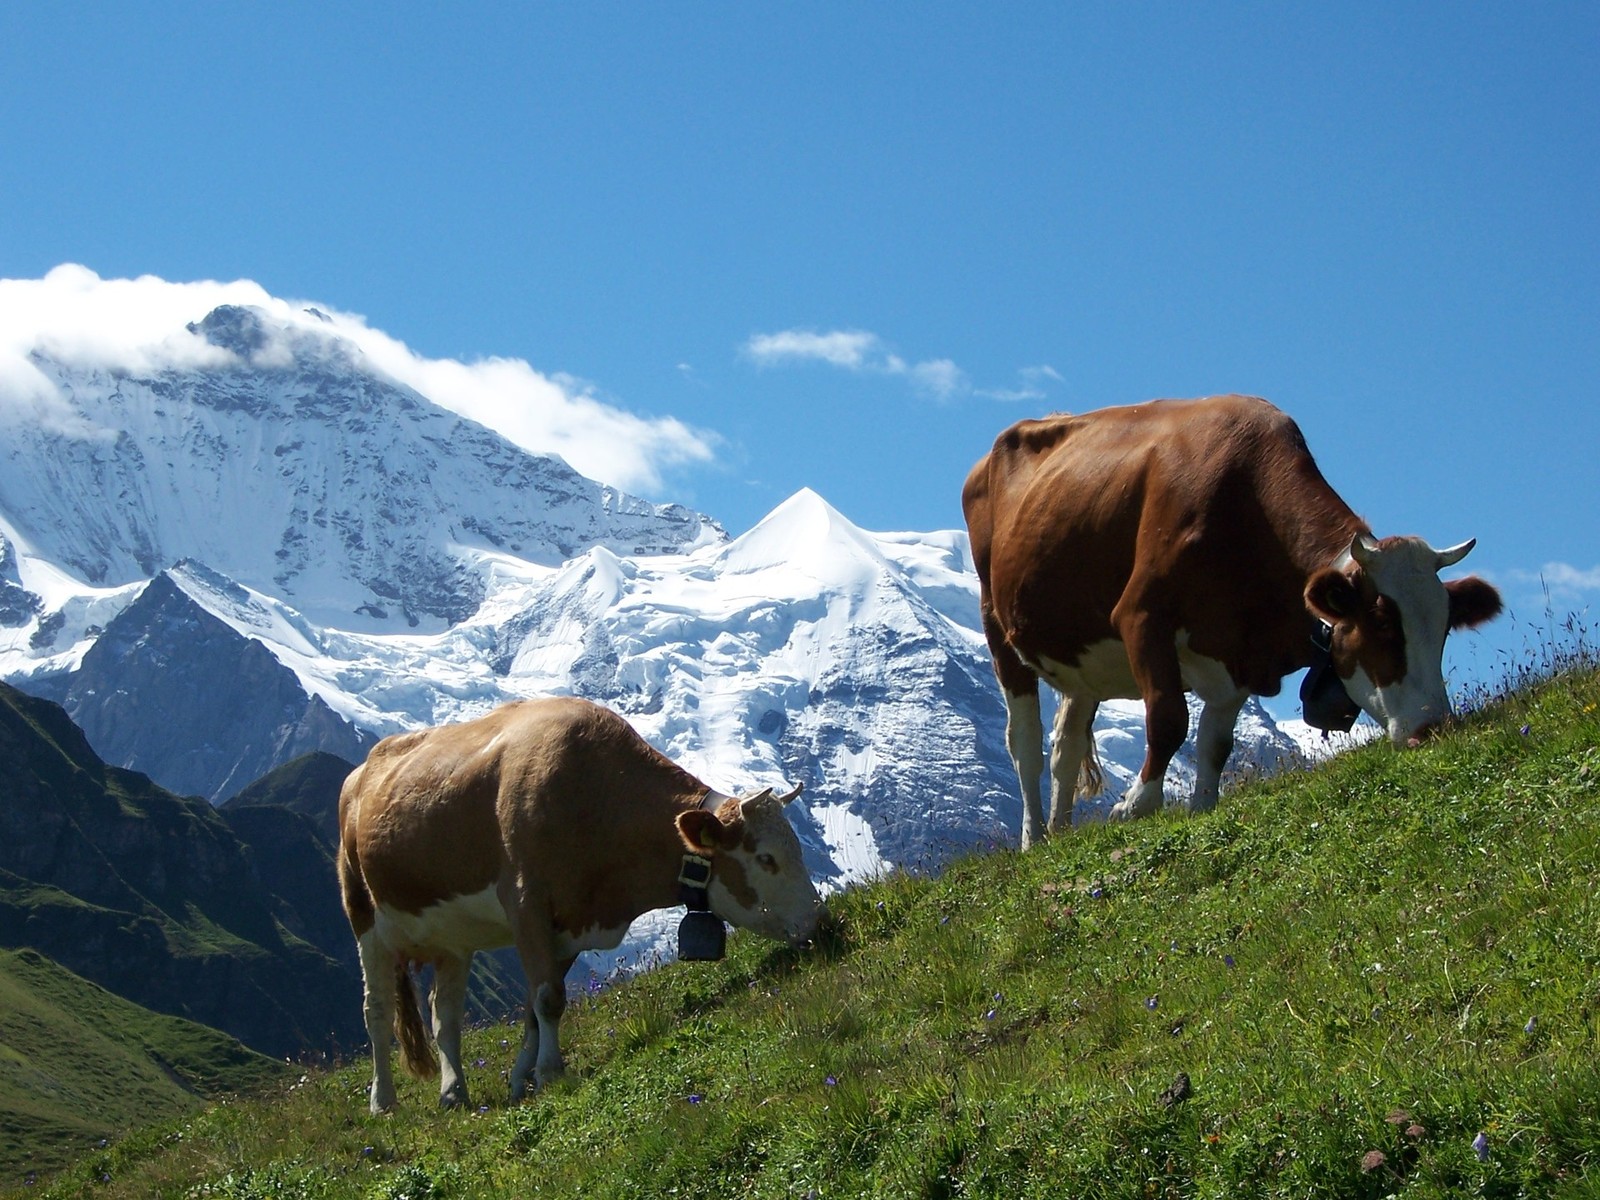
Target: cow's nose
1422	733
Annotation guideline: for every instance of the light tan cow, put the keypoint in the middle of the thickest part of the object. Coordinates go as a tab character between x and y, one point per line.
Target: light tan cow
549	825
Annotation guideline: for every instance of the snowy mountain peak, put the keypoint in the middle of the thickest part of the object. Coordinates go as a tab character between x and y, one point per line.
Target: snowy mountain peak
806	534
291	464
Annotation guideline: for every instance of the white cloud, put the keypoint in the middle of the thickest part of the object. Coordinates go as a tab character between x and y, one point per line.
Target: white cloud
138	325
1033	383
862	352
1565	584
854	350
940	378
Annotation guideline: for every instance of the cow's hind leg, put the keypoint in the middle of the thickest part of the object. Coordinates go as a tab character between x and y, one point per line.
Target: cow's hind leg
1071	752
378	1008
1153	656
1025	742
449	1007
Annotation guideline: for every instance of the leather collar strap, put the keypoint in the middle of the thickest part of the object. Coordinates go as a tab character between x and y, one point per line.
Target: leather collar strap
1324	702
694	877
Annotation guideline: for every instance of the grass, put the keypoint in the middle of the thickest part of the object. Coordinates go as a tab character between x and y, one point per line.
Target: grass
1380	978
79	1065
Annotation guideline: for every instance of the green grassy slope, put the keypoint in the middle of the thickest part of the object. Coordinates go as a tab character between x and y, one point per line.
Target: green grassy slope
78	1064
1379	978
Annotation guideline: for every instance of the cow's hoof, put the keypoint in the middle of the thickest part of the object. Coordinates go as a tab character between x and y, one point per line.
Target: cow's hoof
455	1098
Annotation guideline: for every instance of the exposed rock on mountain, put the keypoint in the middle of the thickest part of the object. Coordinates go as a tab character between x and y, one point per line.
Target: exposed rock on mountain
151	895
170	690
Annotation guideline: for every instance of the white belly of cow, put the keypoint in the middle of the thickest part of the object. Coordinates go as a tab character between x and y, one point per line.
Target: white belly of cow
1103	672
454	926
471	923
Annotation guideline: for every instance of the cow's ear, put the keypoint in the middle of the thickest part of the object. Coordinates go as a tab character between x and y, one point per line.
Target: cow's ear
1332	595
1472	602
701	831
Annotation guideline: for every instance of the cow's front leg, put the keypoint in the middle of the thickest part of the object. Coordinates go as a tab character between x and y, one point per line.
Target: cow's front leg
1213	745
548	1006
449	1006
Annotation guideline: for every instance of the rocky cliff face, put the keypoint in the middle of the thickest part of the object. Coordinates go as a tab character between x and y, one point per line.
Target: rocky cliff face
170	690
151	895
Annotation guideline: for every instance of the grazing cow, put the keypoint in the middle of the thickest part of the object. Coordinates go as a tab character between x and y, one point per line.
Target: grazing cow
549	825
1144	551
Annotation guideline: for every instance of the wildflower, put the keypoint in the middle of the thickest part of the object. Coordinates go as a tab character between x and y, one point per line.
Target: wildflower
1152	1003
831	1081
1480	1145
480	1062
1372	1160
1096	893
1526	730
1531	1025
695	1098
989	1016
1227	961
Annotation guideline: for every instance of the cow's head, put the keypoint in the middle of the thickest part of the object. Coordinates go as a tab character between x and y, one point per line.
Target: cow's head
758	873
1390	614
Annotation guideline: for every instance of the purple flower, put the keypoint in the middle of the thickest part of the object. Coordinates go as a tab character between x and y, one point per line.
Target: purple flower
480	1062
1227	960
989	1016
1532	1024
482	1108
1526	730
366	1152
831	1081
1153	1003
1096	893
1481	1145
695	1098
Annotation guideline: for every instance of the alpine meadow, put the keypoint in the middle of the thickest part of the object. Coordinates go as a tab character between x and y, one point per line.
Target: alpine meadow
1379	977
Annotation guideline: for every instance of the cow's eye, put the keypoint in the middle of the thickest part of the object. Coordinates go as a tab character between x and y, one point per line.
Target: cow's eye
767	861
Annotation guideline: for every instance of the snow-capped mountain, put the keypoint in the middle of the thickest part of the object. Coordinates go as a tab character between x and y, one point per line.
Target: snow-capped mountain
294	466
265	545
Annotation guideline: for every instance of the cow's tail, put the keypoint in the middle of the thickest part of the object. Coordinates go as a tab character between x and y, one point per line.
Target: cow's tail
1091	779
416	1047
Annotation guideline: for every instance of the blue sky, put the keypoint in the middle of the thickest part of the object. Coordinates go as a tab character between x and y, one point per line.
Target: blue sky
846	244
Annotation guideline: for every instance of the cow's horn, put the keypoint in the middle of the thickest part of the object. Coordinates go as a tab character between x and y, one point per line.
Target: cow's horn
1363	548
1450	557
798	788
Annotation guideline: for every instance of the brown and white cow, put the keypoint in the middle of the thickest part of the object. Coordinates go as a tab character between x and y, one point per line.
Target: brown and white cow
549	825
1144	551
